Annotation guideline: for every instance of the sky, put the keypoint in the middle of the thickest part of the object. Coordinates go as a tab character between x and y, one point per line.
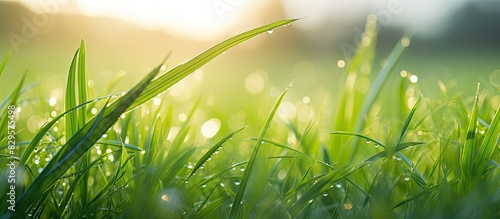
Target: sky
202	19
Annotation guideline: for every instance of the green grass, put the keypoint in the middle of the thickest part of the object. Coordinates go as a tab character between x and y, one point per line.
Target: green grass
389	152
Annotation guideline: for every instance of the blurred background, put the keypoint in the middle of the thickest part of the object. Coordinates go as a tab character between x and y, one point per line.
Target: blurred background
456	42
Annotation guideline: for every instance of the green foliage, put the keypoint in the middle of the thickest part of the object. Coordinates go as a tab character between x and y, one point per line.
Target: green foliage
135	158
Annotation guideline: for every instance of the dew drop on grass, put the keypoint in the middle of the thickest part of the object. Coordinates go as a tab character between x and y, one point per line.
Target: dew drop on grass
242	168
398	158
237	183
222	184
325	194
204	186
270	31
210	158
231	205
407	178
338	185
376	145
368	141
347	205
310	201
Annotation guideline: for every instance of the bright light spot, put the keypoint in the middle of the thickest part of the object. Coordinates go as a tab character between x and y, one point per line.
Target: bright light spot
111	157
163	67
255	82
90	83
93	111
363	85
403	73
173	132
165	198
122	116
52	101
210	128
182	117
287	110
56	129
282	174
341	63
306	100
198	75
413	79
156	101
181	91
365	41
274	91
193	18
143	152
405	42
53	113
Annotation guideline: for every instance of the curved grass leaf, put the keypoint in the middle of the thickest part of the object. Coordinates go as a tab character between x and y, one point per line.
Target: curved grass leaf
178	73
80	142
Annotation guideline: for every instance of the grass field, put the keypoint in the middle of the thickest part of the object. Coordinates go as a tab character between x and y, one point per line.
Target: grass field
370	145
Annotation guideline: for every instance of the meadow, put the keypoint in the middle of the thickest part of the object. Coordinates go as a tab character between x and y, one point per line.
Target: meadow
373	146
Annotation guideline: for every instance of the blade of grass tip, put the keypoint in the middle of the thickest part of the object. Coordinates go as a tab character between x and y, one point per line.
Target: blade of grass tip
485	151
380	80
80	142
71	97
467	157
4	62
13	100
178	73
82	84
235	210
211	151
408	119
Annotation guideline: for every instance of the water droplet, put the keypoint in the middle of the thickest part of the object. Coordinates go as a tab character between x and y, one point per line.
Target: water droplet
376	145
184	212
325	194
216	152
338	185
398	158
347	205
270	31
407	178
231	205
210	158
310	201
242	168
368	141
222	184
237	183
204	186
234	168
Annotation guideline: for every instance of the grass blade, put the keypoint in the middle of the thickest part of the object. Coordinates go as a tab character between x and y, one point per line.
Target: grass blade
81	141
211	151
467	157
235	210
178	73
